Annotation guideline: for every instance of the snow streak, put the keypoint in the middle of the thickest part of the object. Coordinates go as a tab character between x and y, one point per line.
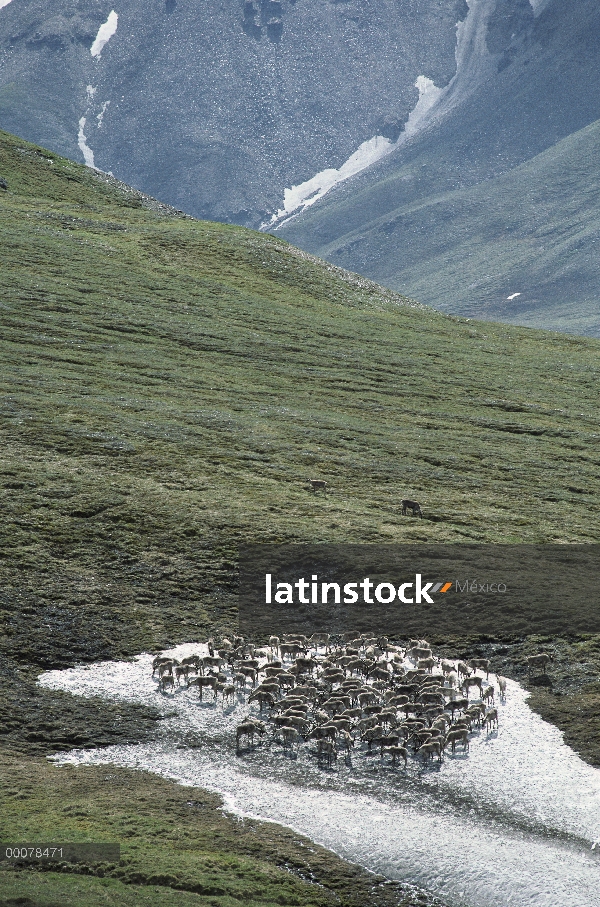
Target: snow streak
87	152
306	194
105	33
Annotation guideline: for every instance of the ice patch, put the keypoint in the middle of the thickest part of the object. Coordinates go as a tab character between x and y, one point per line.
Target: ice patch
100	116
88	154
91	91
514	296
105	33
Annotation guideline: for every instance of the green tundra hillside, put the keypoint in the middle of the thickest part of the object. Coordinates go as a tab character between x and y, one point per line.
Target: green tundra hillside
168	386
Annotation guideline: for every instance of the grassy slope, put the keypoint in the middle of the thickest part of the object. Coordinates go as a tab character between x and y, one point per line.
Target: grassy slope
177	847
535	230
167	385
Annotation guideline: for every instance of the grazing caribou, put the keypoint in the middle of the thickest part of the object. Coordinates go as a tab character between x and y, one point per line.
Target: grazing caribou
491	718
488	694
317	483
158	661
249	729
463	670
413	506
395	751
326	750
228	693
428	749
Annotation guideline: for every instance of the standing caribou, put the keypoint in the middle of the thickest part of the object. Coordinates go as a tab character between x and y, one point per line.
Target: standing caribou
539	661
413	506
318	483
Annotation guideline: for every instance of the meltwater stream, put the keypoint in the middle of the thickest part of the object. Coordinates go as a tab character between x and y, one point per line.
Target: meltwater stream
512	823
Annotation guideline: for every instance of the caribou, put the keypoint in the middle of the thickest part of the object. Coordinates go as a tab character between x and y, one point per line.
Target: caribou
482	663
351	691
318	484
539	661
490	718
473	681
460	735
326	750
413	506
427	750
501	687
248	729
202	682
397	751
165	681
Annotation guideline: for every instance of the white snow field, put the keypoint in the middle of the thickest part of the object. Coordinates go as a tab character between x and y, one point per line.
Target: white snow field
511	823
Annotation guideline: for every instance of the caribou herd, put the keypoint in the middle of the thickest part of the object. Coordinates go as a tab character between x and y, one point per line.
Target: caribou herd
334	694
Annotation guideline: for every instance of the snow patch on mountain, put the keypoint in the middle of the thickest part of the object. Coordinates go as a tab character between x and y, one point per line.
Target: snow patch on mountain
428	95
105	33
300	197
88	154
306	194
473	64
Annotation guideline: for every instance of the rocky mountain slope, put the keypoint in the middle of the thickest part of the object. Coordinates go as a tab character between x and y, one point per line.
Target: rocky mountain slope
389	137
216	107
487	199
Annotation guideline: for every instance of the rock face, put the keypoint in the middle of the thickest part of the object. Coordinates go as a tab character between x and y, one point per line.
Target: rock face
487	210
217	106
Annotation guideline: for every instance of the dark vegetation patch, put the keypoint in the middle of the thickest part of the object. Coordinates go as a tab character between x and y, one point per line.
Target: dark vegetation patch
37	721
